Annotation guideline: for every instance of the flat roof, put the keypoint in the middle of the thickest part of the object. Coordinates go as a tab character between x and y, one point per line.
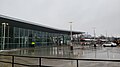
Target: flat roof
34	26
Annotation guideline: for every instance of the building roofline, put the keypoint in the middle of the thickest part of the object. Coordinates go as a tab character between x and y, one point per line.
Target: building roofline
45	28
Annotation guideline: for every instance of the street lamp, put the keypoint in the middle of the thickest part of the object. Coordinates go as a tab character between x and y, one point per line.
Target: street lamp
94	36
71	46
4	27
71	31
94	32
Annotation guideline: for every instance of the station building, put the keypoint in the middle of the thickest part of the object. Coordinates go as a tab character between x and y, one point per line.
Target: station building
16	33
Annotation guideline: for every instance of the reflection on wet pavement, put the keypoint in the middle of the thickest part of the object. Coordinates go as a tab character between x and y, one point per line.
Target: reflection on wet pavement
64	51
99	53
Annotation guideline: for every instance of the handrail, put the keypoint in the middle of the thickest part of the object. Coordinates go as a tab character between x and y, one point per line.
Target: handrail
51	58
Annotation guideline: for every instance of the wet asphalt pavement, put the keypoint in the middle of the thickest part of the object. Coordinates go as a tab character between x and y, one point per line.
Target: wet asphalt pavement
109	53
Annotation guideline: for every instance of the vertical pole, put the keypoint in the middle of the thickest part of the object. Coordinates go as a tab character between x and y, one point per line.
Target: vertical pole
94	33
4	37
71	46
39	61
71	30
94	36
77	62
12	61
4	26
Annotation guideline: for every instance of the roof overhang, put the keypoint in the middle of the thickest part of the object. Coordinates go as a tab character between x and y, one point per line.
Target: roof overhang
34	26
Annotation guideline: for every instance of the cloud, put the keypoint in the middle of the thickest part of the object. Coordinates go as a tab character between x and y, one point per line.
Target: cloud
85	14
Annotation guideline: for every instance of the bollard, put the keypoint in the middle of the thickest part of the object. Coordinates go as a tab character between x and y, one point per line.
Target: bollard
71	47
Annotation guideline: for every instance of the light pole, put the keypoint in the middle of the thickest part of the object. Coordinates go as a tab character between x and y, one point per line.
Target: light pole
71	31
94	32
71	46
94	36
4	28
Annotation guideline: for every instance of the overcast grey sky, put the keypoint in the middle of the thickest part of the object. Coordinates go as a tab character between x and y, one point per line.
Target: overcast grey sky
104	15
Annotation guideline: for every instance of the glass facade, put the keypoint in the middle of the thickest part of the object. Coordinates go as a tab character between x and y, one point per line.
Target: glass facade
12	37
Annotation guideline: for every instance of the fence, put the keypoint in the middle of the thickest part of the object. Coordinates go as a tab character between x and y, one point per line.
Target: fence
39	59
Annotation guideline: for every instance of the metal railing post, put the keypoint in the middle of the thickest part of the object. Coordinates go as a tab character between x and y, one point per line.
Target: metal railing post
77	62
12	61
39	61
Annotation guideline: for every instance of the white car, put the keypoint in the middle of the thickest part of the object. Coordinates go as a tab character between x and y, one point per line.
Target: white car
110	44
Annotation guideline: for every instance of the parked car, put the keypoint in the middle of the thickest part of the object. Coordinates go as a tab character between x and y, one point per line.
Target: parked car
109	44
